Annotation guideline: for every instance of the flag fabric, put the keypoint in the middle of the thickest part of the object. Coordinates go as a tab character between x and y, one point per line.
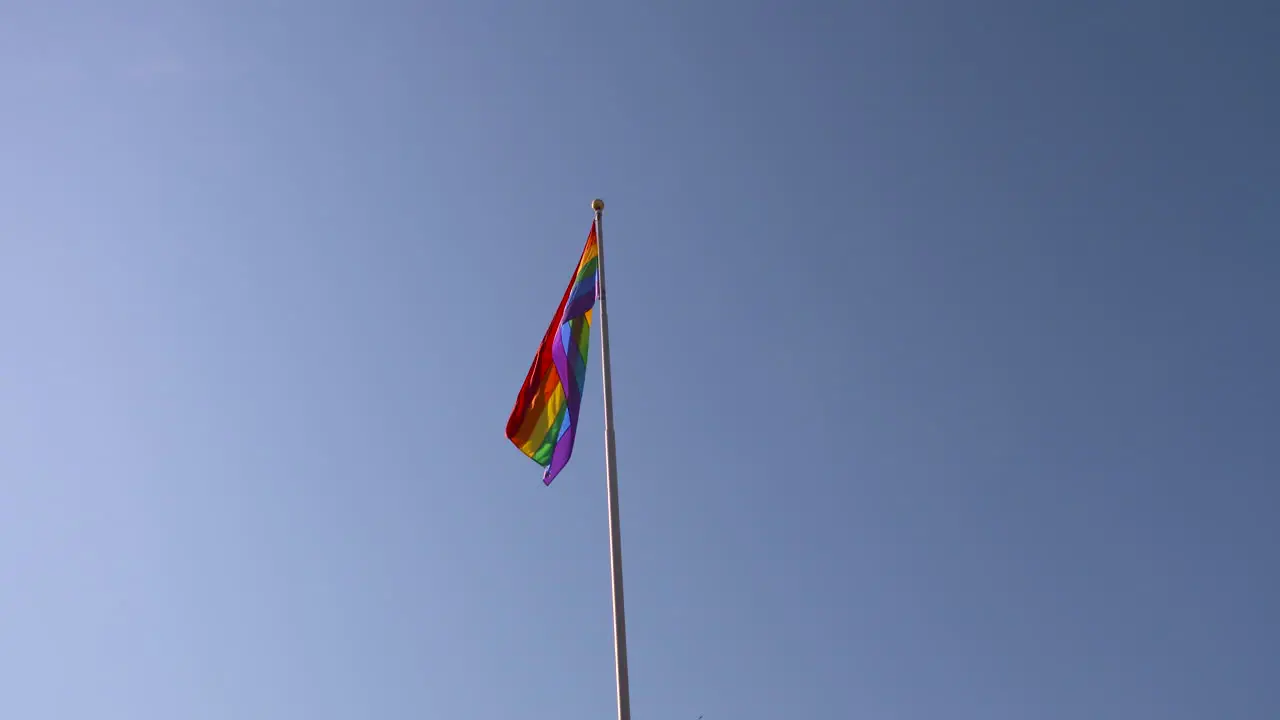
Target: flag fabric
545	418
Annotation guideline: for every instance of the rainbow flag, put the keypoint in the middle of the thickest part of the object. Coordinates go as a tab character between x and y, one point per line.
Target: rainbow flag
545	419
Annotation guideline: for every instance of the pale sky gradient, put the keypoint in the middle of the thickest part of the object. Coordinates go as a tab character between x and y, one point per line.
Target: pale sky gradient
945	352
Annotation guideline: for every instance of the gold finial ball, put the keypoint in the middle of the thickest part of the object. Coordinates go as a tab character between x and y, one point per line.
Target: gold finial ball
597	204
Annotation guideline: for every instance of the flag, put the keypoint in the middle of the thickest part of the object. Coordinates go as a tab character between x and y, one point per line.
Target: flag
545	418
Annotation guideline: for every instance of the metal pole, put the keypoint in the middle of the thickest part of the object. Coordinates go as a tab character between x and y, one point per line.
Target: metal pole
611	479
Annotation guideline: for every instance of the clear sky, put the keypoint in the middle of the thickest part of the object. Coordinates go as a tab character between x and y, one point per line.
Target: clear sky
944	334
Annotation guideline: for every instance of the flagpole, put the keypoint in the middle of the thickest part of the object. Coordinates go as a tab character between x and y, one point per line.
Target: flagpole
611	479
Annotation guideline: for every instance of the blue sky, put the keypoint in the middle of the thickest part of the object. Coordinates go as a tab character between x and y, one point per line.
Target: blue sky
944	354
